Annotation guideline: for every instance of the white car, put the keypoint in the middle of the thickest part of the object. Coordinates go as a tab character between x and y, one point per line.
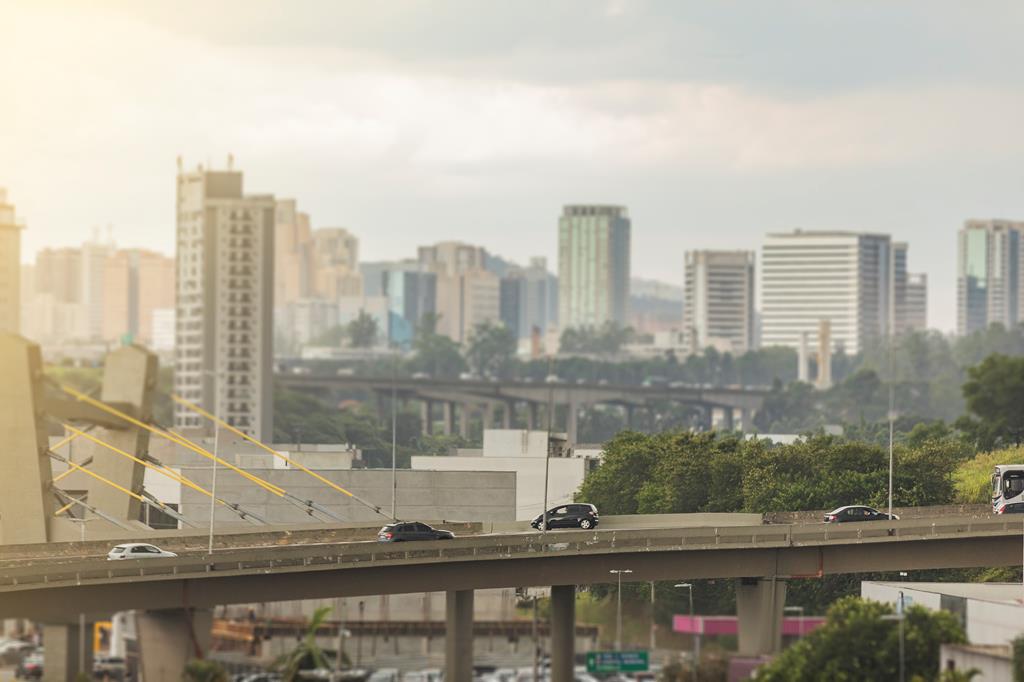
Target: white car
138	550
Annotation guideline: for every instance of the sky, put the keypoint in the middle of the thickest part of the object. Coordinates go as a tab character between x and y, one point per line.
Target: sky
412	122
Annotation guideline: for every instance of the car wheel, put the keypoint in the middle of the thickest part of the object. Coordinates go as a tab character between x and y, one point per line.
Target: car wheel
586	524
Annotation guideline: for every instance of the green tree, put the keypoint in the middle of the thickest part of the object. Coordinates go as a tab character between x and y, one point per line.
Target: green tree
307	654
855	643
362	332
202	670
490	349
994	392
435	354
1018	659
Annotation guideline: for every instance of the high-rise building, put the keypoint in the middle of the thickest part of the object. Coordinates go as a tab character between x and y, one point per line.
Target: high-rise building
529	299
466	300
593	265
988	274
293	252
453	258
718	309
59	272
10	267
136	282
910	295
842	277
225	301
336	264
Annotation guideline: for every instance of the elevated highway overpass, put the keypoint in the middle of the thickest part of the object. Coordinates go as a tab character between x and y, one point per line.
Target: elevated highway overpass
457	398
762	556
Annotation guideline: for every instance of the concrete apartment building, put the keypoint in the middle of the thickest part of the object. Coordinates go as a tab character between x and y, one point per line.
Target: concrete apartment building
844	278
529	299
224	313
593	265
910	294
335	264
10	266
988	274
718	309
293	253
467	292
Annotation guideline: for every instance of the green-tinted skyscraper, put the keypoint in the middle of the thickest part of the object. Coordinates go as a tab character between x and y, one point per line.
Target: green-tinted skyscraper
988	275
593	265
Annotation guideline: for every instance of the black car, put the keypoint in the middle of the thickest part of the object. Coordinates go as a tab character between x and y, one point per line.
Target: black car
570	516
857	513
410	531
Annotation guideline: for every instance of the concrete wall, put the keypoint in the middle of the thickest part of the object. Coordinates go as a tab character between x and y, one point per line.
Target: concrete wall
992	666
565	476
422	495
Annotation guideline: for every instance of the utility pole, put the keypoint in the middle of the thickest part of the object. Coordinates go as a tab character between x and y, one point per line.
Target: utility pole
654	626
394	441
547	447
618	611
536	644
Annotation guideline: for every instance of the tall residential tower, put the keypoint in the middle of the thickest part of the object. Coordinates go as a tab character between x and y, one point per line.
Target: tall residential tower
988	274
10	267
719	301
593	265
225	301
844	278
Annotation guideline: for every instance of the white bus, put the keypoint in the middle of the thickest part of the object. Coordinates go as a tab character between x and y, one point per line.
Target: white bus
1007	486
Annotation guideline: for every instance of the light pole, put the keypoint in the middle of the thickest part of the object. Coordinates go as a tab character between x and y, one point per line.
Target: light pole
696	635
800	623
216	451
547	448
654	625
900	616
618	573
394	442
892	416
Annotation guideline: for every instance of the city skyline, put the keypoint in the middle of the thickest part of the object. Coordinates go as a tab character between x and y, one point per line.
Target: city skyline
704	126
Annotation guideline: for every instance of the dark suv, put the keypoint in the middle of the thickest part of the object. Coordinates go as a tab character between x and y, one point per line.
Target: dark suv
409	531
570	516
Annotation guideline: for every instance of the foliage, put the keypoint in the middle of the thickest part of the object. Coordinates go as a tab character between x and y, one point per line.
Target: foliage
855	643
440	444
436	355
204	671
994	392
608	339
972	479
307	654
490	350
1017	647
362	332
959	675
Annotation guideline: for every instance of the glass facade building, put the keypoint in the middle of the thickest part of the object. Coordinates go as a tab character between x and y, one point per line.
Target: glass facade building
593	265
988	274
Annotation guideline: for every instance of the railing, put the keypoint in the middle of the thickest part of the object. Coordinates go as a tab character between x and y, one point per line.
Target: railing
485	548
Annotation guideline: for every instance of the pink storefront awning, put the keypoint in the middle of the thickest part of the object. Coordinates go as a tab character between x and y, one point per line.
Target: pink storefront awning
727	625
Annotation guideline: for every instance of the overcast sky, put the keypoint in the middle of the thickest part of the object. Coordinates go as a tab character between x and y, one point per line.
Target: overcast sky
412	122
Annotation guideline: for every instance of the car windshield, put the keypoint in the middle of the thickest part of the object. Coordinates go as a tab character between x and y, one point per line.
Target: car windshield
118	550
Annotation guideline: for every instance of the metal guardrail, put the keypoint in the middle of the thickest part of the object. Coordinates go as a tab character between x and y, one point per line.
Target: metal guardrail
486	548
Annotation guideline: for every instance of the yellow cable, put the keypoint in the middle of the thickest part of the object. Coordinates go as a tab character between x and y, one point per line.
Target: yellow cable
63	509
107	481
170	473
64	442
174	438
232	429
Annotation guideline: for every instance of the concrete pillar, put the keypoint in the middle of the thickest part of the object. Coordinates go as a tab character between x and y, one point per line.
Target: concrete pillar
507	414
448	418
26	501
129	377
572	422
458	637
464	410
489	410
759	608
727	419
563	632
170	639
534	420
746	419
426	417
68	652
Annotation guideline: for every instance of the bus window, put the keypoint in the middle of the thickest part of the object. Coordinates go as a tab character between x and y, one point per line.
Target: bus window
1013	484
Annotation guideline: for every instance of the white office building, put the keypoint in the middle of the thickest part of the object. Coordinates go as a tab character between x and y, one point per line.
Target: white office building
225	292
718	309
842	277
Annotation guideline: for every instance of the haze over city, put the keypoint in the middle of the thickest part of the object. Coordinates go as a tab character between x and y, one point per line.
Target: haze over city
416	122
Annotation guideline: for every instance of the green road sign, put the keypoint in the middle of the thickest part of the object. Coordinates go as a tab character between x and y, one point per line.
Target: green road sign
617	662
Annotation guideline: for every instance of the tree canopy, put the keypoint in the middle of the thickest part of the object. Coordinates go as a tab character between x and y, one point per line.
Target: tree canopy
856	644
490	350
362	332
994	393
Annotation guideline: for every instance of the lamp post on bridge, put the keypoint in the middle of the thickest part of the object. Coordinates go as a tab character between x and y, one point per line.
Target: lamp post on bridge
696	636
618	573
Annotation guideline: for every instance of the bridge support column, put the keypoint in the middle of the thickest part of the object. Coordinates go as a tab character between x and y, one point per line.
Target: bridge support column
727	419
629	416
458	637
507	414
464	411
572	422
68	652
563	632
449	418
489	410
534	420
170	639
746	419
427	417
759	607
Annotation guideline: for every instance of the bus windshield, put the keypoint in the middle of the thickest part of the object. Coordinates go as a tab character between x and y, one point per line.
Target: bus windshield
1013	484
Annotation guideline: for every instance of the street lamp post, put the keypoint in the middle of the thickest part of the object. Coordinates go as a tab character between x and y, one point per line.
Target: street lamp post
618	573
216	453
800	623
394	441
654	625
696	635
